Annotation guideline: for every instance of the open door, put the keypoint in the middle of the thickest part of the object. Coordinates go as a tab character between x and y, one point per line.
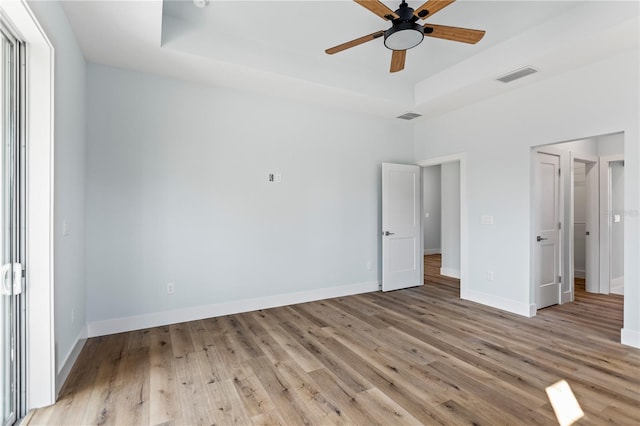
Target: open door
547	252
592	249
402	261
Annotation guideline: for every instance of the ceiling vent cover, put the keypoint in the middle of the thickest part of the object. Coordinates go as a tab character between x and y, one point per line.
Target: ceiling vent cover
514	75
409	116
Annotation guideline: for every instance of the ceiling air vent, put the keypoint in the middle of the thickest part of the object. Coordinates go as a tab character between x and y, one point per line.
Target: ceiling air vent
409	116
514	75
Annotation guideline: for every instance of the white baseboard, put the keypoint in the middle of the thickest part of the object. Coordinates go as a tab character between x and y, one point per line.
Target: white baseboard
630	337
70	359
579	273
447	272
617	286
513	306
156	319
427	252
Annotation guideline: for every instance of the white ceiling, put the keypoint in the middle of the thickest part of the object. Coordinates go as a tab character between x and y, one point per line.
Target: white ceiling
278	47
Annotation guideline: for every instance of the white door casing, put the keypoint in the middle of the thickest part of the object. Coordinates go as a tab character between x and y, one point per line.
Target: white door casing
402	262
547	245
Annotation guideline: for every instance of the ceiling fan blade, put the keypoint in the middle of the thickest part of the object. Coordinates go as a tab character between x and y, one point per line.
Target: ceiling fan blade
397	60
378	8
353	43
431	7
464	35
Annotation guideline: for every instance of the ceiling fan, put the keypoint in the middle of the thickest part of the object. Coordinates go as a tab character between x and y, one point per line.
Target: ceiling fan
405	33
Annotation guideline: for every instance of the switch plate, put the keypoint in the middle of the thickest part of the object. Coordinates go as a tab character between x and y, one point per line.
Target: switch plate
486	220
369	265
66	228
426	215
274	178
616	218
170	288
489	275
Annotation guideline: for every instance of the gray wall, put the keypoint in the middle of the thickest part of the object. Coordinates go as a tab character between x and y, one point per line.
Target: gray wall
177	192
431	188
451	219
69	178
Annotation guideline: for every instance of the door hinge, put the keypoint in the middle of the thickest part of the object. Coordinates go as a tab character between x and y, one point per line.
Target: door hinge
588	233
559	225
559	172
559	278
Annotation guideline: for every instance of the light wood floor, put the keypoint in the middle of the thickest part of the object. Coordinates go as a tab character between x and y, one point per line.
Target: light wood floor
413	356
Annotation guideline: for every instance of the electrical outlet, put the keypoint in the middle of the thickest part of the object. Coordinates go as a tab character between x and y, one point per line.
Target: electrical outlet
170	288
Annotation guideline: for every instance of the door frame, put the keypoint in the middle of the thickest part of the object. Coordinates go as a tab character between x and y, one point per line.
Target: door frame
41	360
605	222
460	157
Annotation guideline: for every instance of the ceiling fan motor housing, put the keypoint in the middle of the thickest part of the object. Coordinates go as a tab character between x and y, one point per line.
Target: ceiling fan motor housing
405	32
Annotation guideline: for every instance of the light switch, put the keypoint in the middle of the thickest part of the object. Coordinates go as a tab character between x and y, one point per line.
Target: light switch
486	220
66	228
274	178
616	218
426	215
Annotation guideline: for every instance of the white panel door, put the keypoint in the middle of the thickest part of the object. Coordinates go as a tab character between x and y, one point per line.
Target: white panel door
592	249
402	257
547	252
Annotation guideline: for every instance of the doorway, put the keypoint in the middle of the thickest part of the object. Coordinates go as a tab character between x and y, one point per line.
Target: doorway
442	221
589	170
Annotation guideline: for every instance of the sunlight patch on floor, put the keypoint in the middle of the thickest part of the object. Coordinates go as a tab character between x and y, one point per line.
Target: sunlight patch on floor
564	403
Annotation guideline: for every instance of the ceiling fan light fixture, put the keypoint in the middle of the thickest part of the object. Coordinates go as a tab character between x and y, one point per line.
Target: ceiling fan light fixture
403	36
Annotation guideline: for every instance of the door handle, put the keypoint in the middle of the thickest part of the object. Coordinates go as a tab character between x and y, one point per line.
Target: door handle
387	233
15	271
539	238
4	274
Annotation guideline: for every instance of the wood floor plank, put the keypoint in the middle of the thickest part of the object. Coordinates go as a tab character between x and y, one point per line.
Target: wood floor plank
253	395
181	341
227	407
348	401
415	356
289	405
192	391
320	407
163	390
132	401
